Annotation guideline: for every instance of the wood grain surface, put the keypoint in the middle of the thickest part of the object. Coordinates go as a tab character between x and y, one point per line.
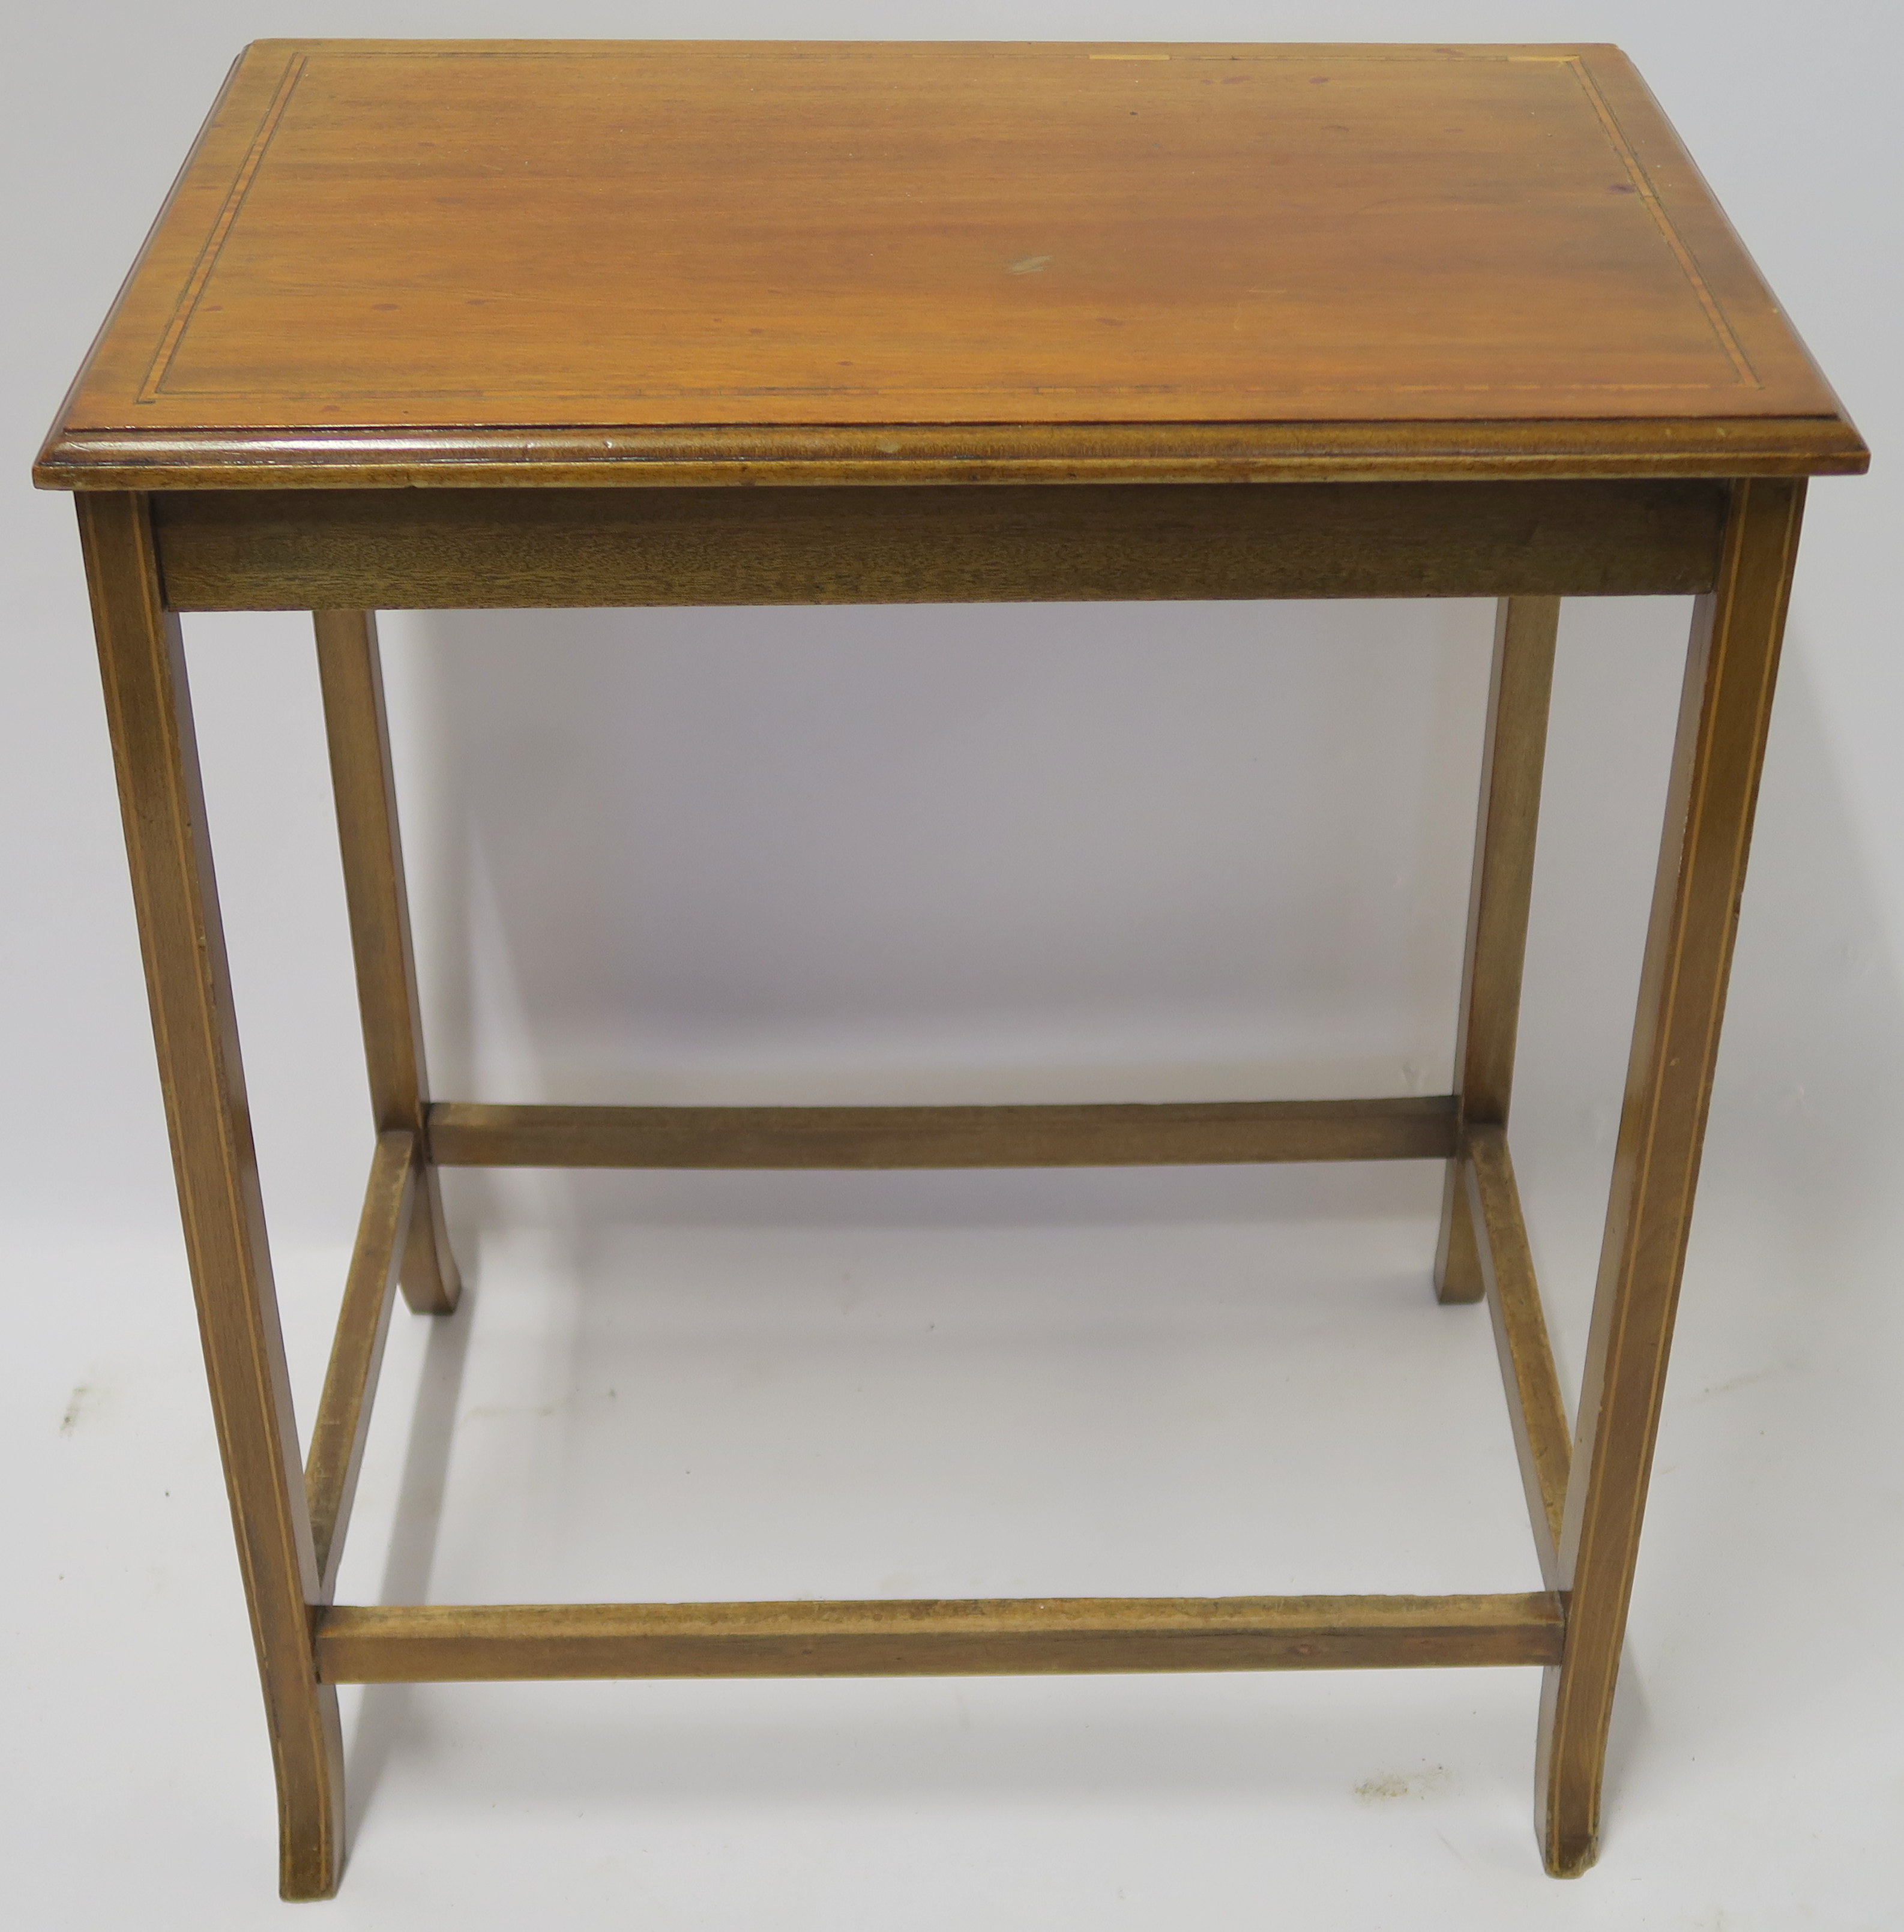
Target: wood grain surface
363	786
246	550
473	1134
1514	752
1725	712
439	1643
488	237
823	454
1535	1408
338	1436
188	982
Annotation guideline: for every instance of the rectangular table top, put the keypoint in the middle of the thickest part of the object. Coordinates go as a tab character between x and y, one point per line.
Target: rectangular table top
394	262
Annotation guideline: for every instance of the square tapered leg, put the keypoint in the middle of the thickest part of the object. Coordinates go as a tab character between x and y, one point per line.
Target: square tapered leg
351	673
1520	686
1724	715
148	708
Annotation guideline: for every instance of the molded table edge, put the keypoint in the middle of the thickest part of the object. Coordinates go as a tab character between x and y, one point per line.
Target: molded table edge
912	453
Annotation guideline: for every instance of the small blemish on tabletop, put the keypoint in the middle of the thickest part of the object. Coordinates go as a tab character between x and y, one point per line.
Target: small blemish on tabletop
1029	264
77	1406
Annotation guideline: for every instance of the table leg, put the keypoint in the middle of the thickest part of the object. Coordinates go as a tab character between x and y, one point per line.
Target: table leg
148	707
1515	749
352	676
1724	713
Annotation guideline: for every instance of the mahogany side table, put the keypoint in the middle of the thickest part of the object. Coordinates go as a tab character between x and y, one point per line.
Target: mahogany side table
451	324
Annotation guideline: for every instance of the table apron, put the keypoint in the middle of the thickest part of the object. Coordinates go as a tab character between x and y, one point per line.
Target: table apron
267	550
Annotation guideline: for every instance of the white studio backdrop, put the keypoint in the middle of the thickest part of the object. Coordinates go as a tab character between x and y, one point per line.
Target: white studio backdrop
1097	852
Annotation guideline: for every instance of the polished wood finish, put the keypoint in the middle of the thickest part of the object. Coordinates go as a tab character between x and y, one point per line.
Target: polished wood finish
1535	1404
471	549
442	1643
1514	749
148	706
444	325
343	1411
1725	713
836	234
351	676
760	455
1415	1127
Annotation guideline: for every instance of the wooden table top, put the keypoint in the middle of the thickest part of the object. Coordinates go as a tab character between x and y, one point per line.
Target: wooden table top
397	261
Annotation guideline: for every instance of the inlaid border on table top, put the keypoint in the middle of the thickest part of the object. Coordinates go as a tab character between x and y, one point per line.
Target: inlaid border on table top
1749	427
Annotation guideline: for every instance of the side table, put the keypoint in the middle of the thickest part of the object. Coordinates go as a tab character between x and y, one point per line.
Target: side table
452	324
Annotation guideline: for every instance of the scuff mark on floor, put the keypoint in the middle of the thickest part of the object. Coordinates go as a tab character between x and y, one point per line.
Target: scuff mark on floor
1386	1786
